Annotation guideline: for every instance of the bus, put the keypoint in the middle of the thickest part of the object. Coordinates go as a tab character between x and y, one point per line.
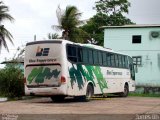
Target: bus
60	68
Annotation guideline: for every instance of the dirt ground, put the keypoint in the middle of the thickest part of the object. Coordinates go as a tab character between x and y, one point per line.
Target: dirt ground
102	109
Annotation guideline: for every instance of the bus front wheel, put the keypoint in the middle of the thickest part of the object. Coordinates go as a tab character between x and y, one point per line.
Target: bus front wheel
125	92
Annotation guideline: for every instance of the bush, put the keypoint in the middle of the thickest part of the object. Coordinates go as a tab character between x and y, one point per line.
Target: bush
11	82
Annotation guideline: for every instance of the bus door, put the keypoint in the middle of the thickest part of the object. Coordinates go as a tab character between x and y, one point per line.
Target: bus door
131	67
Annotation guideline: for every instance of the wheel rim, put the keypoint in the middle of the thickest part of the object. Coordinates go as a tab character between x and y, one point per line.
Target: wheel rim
125	90
89	93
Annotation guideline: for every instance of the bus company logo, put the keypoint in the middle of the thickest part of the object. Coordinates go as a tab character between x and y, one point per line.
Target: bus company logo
42	51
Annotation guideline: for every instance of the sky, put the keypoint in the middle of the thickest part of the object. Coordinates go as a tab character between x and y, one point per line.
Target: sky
35	17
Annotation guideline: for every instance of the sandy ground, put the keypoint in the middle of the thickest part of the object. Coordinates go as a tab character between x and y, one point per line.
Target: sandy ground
108	108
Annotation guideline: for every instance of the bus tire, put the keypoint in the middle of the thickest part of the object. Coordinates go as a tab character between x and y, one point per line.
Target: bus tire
89	93
125	92
58	98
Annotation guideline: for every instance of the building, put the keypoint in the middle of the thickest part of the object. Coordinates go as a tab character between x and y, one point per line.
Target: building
142	42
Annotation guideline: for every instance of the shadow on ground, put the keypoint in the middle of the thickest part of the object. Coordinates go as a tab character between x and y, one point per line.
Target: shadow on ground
67	100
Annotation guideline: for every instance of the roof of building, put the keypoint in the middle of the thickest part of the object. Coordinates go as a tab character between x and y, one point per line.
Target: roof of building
19	60
133	26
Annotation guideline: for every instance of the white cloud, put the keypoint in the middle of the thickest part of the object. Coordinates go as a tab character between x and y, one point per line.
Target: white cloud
145	12
43	8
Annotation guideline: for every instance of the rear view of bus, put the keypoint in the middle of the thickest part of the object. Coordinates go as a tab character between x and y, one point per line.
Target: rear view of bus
43	74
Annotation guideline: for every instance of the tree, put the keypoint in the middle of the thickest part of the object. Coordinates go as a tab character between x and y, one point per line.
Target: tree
109	13
4	33
115	10
111	7
93	28
69	21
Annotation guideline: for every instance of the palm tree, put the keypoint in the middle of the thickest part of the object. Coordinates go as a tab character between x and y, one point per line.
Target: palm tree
69	22
4	33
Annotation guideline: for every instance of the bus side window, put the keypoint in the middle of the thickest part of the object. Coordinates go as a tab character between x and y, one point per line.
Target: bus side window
80	57
108	59
123	61
126	62
85	55
90	56
120	60
100	57
72	53
116	61
112	60
104	59
95	57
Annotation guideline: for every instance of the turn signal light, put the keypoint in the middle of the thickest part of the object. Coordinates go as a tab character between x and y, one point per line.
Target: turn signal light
63	79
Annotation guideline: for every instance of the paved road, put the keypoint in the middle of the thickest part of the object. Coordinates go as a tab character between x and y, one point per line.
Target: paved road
129	108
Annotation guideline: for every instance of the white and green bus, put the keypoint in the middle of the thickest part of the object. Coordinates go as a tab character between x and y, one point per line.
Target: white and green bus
60	68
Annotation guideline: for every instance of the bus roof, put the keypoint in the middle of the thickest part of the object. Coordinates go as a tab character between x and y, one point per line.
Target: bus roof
69	42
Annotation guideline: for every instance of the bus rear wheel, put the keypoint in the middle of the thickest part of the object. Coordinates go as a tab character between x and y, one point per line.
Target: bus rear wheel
89	93
58	98
88	96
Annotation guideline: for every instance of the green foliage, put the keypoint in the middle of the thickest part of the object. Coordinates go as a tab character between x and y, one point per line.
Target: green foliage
53	36
114	10
93	27
144	94
110	7
4	15
118	19
11	82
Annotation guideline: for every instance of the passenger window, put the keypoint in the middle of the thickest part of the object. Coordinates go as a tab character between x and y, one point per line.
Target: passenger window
112	60
126	62
123	61
85	55
104	59
100	57
80	54
116	61
120	61
95	56
109	60
90	57
71	50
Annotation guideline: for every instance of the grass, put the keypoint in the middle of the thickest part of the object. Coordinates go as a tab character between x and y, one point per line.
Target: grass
144	95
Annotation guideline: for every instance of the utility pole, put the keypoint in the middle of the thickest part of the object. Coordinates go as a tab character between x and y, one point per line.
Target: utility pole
34	37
